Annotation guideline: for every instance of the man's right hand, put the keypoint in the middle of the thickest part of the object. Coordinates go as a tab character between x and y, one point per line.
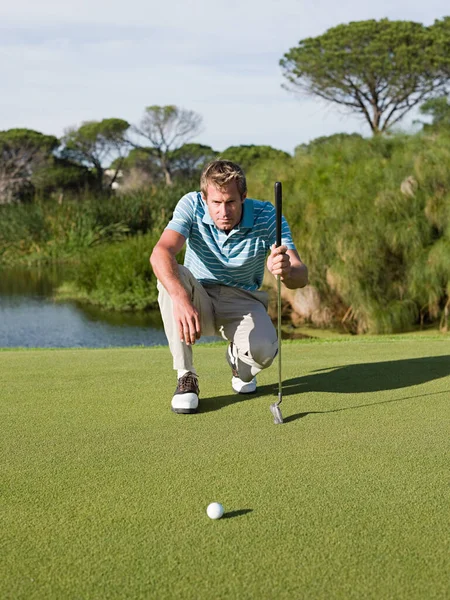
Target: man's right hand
188	321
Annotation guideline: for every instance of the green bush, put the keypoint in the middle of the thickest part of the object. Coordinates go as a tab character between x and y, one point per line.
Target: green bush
371	219
47	230
118	276
60	176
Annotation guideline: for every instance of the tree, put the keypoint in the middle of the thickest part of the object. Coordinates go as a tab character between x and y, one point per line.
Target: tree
142	167
60	175
167	128
187	162
377	69
22	151
143	159
439	110
96	142
247	155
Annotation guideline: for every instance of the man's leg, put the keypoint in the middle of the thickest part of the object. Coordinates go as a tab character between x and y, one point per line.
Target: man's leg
185	399
181	352
242	318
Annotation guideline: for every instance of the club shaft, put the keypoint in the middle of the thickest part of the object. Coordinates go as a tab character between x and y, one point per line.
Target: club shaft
278	214
280	386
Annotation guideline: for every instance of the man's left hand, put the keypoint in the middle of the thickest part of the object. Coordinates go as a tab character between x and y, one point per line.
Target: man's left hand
279	262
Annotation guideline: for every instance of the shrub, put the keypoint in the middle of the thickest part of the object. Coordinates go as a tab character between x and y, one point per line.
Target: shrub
118	276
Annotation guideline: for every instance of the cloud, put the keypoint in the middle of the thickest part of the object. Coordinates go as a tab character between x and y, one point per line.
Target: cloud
62	63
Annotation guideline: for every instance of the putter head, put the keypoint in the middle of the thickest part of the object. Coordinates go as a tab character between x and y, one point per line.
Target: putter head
276	411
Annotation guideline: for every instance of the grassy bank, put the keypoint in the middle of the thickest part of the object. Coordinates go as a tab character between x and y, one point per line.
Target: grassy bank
104	489
115	276
45	231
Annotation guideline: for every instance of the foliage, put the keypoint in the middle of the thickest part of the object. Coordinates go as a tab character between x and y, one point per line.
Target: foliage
94	143
61	176
119	276
46	230
22	151
167	128
439	110
187	162
142	166
377	69
377	256
330	141
370	218
248	155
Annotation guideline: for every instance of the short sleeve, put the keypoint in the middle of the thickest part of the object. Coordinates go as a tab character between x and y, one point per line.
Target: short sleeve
183	216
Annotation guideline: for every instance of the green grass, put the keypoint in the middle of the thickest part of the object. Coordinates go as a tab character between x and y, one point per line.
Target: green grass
104	490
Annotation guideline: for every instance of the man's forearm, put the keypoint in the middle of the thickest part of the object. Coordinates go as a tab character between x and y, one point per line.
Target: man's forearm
165	267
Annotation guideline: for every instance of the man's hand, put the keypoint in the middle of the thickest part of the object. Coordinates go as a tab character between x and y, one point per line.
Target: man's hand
188	321
279	263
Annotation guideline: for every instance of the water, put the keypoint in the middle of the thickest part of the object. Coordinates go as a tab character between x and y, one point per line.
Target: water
29	318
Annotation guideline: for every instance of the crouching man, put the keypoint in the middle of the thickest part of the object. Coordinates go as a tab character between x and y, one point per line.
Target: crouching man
229	237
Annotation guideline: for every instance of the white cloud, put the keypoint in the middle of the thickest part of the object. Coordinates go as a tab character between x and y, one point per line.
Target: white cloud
62	63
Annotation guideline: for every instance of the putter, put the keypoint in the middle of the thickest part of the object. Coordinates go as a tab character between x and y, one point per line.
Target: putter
275	406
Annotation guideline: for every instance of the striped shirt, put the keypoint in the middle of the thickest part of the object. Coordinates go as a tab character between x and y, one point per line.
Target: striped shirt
236	259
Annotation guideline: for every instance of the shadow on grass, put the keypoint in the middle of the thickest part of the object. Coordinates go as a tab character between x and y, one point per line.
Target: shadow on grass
335	410
237	513
349	379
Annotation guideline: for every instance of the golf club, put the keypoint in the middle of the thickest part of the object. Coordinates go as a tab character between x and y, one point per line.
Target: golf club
275	406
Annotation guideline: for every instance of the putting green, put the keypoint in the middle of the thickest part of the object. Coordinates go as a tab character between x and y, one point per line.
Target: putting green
104	490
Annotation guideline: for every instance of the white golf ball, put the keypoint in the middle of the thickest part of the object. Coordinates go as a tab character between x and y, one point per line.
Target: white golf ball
214	510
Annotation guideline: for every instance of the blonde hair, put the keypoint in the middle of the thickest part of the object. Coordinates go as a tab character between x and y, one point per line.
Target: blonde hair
220	172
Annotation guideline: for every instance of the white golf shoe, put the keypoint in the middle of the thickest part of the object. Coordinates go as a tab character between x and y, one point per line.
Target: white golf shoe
185	399
243	387
239	386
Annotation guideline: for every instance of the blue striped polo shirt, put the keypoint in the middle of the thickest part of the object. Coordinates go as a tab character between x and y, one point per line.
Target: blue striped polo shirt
235	259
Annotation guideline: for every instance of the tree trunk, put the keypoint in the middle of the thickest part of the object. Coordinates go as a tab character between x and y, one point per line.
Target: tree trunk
99	172
167	175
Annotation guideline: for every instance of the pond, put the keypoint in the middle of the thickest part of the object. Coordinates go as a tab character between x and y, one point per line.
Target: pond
30	318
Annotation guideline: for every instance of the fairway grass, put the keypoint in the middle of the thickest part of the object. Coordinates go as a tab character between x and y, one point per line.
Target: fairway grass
104	490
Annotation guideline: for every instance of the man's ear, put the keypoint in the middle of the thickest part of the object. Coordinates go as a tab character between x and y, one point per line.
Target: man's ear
244	196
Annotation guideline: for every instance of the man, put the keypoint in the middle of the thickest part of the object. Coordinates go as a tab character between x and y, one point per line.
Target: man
228	238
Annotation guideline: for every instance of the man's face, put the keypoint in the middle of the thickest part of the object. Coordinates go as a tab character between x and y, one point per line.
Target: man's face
225	205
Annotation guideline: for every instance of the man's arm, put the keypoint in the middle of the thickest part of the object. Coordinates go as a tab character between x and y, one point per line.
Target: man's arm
165	267
287	264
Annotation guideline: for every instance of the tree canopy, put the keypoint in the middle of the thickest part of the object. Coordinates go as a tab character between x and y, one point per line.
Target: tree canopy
22	151
439	110
167	128
61	175
377	69
94	142
142	166
188	161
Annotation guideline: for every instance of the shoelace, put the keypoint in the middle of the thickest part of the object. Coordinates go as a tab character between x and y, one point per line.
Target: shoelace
188	382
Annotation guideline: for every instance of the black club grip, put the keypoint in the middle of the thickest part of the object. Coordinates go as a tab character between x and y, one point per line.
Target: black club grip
278	210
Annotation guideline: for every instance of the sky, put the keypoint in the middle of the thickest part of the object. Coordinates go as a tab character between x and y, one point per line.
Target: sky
62	63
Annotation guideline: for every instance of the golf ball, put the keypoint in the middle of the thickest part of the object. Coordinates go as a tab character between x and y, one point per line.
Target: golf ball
214	510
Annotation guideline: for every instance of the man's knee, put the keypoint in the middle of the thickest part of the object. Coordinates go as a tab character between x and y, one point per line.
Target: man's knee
264	353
